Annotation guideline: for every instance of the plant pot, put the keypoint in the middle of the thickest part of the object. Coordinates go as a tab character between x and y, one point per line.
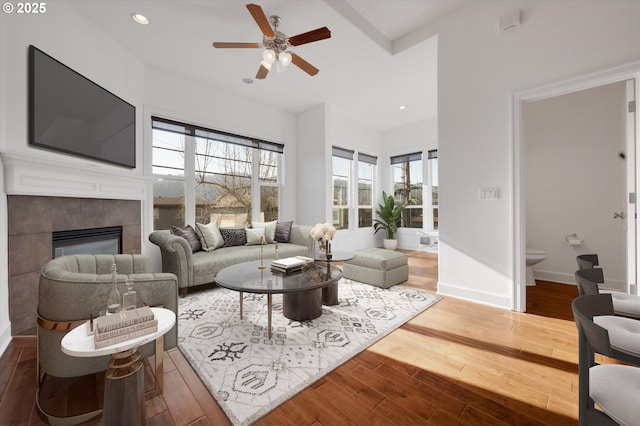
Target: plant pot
390	243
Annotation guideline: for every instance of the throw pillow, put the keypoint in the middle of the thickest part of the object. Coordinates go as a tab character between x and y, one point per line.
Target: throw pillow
189	234
270	229
210	236
234	237
254	236
283	232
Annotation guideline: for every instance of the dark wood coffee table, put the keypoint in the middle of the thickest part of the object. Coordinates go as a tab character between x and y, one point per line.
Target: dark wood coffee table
330	292
301	292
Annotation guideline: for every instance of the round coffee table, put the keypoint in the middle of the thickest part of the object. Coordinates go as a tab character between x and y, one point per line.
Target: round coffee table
301	291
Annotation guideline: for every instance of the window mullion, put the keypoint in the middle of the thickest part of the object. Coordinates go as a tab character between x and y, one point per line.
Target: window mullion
190	179
255	185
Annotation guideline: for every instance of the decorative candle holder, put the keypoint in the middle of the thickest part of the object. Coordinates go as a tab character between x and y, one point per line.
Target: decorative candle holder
261	266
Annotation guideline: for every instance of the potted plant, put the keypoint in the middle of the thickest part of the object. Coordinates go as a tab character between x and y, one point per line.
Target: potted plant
389	216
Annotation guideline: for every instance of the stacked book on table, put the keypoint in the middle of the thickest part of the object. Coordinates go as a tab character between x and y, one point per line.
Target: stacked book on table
124	325
289	265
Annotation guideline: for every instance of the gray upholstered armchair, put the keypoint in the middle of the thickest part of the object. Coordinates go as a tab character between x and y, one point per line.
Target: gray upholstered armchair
72	288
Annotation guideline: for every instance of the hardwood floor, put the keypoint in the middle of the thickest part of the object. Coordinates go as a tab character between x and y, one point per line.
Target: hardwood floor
456	363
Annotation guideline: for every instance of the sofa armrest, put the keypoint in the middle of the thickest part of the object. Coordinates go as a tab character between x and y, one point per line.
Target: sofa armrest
301	235
176	256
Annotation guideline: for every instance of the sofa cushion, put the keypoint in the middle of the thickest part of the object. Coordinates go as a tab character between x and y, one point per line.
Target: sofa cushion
189	234
255	236
283	232
234	237
270	229
210	236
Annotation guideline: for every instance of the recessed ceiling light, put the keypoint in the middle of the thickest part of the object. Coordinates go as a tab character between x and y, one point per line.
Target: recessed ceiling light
140	19
402	107
247	80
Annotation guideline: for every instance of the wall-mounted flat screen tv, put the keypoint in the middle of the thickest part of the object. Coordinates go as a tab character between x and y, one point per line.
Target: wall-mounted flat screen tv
70	113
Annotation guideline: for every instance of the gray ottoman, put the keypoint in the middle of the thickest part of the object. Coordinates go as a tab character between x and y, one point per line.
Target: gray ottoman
376	266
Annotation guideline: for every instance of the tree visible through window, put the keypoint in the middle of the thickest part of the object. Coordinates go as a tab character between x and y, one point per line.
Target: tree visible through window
227	173
407	187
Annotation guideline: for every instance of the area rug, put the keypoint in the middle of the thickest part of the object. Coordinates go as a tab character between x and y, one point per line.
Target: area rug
250	374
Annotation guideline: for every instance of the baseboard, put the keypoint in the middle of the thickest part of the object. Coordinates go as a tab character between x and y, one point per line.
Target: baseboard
563	278
5	338
474	295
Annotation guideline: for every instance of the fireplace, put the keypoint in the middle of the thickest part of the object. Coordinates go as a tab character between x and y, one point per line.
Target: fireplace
104	240
34	222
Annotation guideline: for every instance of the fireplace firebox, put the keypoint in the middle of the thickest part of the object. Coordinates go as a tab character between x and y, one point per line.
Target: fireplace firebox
105	240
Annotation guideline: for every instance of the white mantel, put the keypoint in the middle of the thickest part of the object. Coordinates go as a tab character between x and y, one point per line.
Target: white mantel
25	175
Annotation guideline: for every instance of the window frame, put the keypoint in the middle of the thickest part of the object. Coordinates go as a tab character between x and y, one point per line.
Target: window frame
427	188
353	205
188	179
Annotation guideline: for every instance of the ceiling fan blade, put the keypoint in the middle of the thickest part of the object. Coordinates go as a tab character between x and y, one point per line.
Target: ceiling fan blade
261	19
310	36
304	65
262	72
230	45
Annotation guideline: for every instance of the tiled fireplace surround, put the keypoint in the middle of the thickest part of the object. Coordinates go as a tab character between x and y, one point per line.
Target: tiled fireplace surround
31	222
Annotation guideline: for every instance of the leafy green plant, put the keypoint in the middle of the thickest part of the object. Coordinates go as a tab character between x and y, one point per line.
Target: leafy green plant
389	215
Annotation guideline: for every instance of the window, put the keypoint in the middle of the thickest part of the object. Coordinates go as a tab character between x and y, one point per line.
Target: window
366	172
352	183
223	183
168	167
406	171
341	180
433	183
228	175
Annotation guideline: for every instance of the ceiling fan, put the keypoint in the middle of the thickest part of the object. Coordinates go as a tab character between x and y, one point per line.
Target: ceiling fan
277	44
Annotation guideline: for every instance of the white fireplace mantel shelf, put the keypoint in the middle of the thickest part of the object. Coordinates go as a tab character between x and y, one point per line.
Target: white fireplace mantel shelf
26	175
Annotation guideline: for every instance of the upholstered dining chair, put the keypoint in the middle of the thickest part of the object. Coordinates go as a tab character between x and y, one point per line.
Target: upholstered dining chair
587	261
72	289
626	305
613	387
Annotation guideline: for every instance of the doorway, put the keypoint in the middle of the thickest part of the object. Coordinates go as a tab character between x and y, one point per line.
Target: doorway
575	179
553	201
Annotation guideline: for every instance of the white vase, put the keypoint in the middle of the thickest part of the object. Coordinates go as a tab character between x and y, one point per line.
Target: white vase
390	243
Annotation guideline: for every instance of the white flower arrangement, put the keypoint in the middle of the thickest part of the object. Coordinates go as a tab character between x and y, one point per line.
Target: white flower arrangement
323	232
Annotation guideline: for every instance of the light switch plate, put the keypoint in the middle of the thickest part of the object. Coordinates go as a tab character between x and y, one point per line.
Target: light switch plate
492	193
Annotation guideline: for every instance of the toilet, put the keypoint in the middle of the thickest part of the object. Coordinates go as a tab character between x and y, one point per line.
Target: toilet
533	257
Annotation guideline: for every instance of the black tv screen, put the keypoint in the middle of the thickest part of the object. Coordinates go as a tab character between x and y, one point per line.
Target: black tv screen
70	113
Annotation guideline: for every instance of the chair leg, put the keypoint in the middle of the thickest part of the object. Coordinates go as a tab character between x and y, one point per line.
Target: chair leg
585	361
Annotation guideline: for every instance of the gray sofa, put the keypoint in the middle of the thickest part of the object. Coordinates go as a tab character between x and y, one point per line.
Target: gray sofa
201	267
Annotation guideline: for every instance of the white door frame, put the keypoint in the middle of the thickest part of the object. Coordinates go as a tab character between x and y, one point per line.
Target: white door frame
600	78
631	178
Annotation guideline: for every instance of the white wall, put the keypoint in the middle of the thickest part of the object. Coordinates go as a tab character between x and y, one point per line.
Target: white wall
313	128
479	70
417	137
575	180
68	37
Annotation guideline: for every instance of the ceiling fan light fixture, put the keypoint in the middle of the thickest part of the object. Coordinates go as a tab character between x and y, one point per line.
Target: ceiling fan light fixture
284	58
269	56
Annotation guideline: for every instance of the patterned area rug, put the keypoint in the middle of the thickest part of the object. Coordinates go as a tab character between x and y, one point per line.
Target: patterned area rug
250	374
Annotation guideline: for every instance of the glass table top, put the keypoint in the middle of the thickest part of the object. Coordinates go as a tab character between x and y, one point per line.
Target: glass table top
336	256
248	278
